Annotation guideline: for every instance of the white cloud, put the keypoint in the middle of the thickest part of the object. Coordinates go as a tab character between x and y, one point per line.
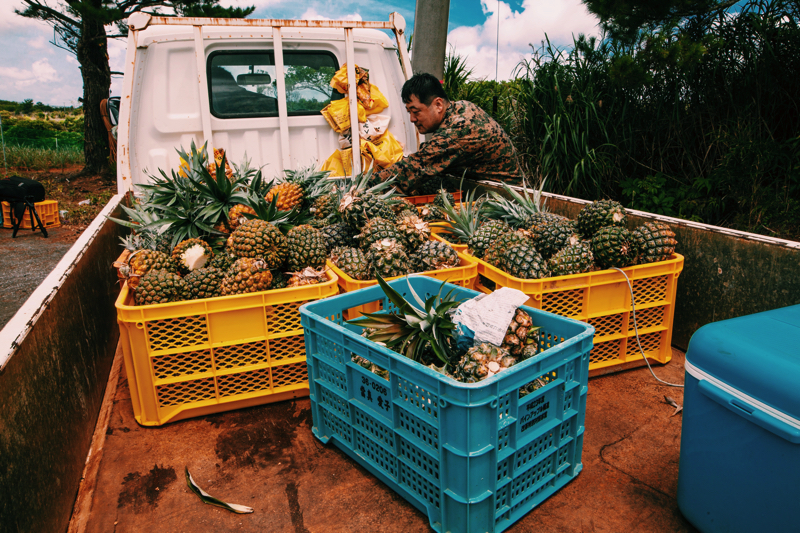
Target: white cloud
10	21
518	30
39	43
40	72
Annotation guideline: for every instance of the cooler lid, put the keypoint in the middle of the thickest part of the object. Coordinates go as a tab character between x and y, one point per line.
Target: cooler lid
757	354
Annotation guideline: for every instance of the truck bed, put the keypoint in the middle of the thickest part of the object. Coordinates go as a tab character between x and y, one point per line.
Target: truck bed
267	458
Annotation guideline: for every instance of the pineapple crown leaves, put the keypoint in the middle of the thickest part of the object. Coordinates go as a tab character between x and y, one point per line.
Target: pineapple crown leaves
183	220
284	220
217	191
517	210
411	328
465	221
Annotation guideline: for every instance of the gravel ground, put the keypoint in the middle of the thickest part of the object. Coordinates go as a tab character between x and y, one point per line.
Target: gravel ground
26	260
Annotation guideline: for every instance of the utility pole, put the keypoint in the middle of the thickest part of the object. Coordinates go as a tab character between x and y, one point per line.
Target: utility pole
430	37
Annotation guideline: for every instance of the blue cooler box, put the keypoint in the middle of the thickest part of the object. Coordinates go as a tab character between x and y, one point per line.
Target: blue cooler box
740	441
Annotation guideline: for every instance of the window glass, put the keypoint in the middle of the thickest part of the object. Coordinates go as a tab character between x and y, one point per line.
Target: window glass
244	84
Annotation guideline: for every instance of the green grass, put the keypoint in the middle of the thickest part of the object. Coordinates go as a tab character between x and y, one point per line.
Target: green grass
29	158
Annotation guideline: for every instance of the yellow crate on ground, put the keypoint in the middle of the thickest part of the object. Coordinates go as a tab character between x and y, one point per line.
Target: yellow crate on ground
603	300
47	210
197	357
464	275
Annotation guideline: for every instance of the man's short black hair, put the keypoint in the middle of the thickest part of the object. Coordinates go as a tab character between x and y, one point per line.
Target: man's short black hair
424	86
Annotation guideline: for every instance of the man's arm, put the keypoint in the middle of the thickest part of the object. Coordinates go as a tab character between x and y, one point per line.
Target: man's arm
433	157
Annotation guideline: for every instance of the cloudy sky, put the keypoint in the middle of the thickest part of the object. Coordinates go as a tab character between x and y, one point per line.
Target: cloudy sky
31	67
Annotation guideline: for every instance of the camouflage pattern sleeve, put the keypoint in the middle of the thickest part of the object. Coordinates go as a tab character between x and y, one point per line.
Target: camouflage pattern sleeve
467	140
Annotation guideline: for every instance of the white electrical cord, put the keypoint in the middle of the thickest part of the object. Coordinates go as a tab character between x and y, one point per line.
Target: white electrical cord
636	330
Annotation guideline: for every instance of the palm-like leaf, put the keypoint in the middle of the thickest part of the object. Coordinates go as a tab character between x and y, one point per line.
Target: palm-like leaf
410	329
517	210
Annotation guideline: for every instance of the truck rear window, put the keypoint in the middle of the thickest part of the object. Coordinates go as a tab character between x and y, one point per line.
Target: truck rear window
243	83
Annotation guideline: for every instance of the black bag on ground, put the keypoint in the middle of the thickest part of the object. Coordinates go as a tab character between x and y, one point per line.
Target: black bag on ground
17	188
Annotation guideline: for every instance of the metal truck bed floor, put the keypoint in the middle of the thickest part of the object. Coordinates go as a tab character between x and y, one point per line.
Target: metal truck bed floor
267	458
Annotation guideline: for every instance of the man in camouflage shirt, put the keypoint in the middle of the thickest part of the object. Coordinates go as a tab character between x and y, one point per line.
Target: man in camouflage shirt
463	137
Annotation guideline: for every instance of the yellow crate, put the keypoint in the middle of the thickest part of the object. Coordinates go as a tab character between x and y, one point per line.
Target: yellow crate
603	300
198	357
463	275
47	210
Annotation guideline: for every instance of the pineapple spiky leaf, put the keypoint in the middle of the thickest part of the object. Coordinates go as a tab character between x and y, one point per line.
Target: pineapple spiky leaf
410	329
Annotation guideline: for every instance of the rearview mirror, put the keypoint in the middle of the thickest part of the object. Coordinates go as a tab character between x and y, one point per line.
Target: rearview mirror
253	79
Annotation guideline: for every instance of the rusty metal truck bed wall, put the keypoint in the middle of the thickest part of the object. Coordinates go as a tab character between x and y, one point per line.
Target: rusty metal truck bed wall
55	355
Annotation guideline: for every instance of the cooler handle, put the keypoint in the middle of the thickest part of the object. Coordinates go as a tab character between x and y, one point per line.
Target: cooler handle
745	410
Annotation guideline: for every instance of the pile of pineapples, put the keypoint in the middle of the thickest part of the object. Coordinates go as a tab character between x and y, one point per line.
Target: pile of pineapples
517	236
209	230
371	232
425	333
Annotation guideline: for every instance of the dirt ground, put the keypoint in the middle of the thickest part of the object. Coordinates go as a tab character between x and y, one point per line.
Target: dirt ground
27	259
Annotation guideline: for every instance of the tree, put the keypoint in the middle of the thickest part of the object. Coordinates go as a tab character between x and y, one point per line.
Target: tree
81	29
624	18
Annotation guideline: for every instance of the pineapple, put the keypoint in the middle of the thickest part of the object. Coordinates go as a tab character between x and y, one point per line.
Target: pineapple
539	220
324	206
298	186
221	261
246	275
220	160
523	261
432	213
352	262
520	339
259	238
485	235
338	234
600	214
191	254
441	196
554	236
614	246
141	262
159	287
357	208
279	280
433	255
307	276
359	203
495	251
306	248
203	283
573	259
431	186
655	241
236	216
413	231
403	205
388	258
481	362
378	229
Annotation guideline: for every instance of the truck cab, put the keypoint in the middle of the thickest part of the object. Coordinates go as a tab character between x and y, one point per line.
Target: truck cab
252	87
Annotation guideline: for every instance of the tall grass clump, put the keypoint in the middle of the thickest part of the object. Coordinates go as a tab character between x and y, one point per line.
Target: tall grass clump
698	119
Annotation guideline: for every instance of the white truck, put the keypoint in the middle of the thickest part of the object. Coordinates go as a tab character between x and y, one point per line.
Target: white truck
252	87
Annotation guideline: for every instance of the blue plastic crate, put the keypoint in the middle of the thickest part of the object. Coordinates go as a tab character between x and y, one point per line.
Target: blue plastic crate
740	436
473	457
